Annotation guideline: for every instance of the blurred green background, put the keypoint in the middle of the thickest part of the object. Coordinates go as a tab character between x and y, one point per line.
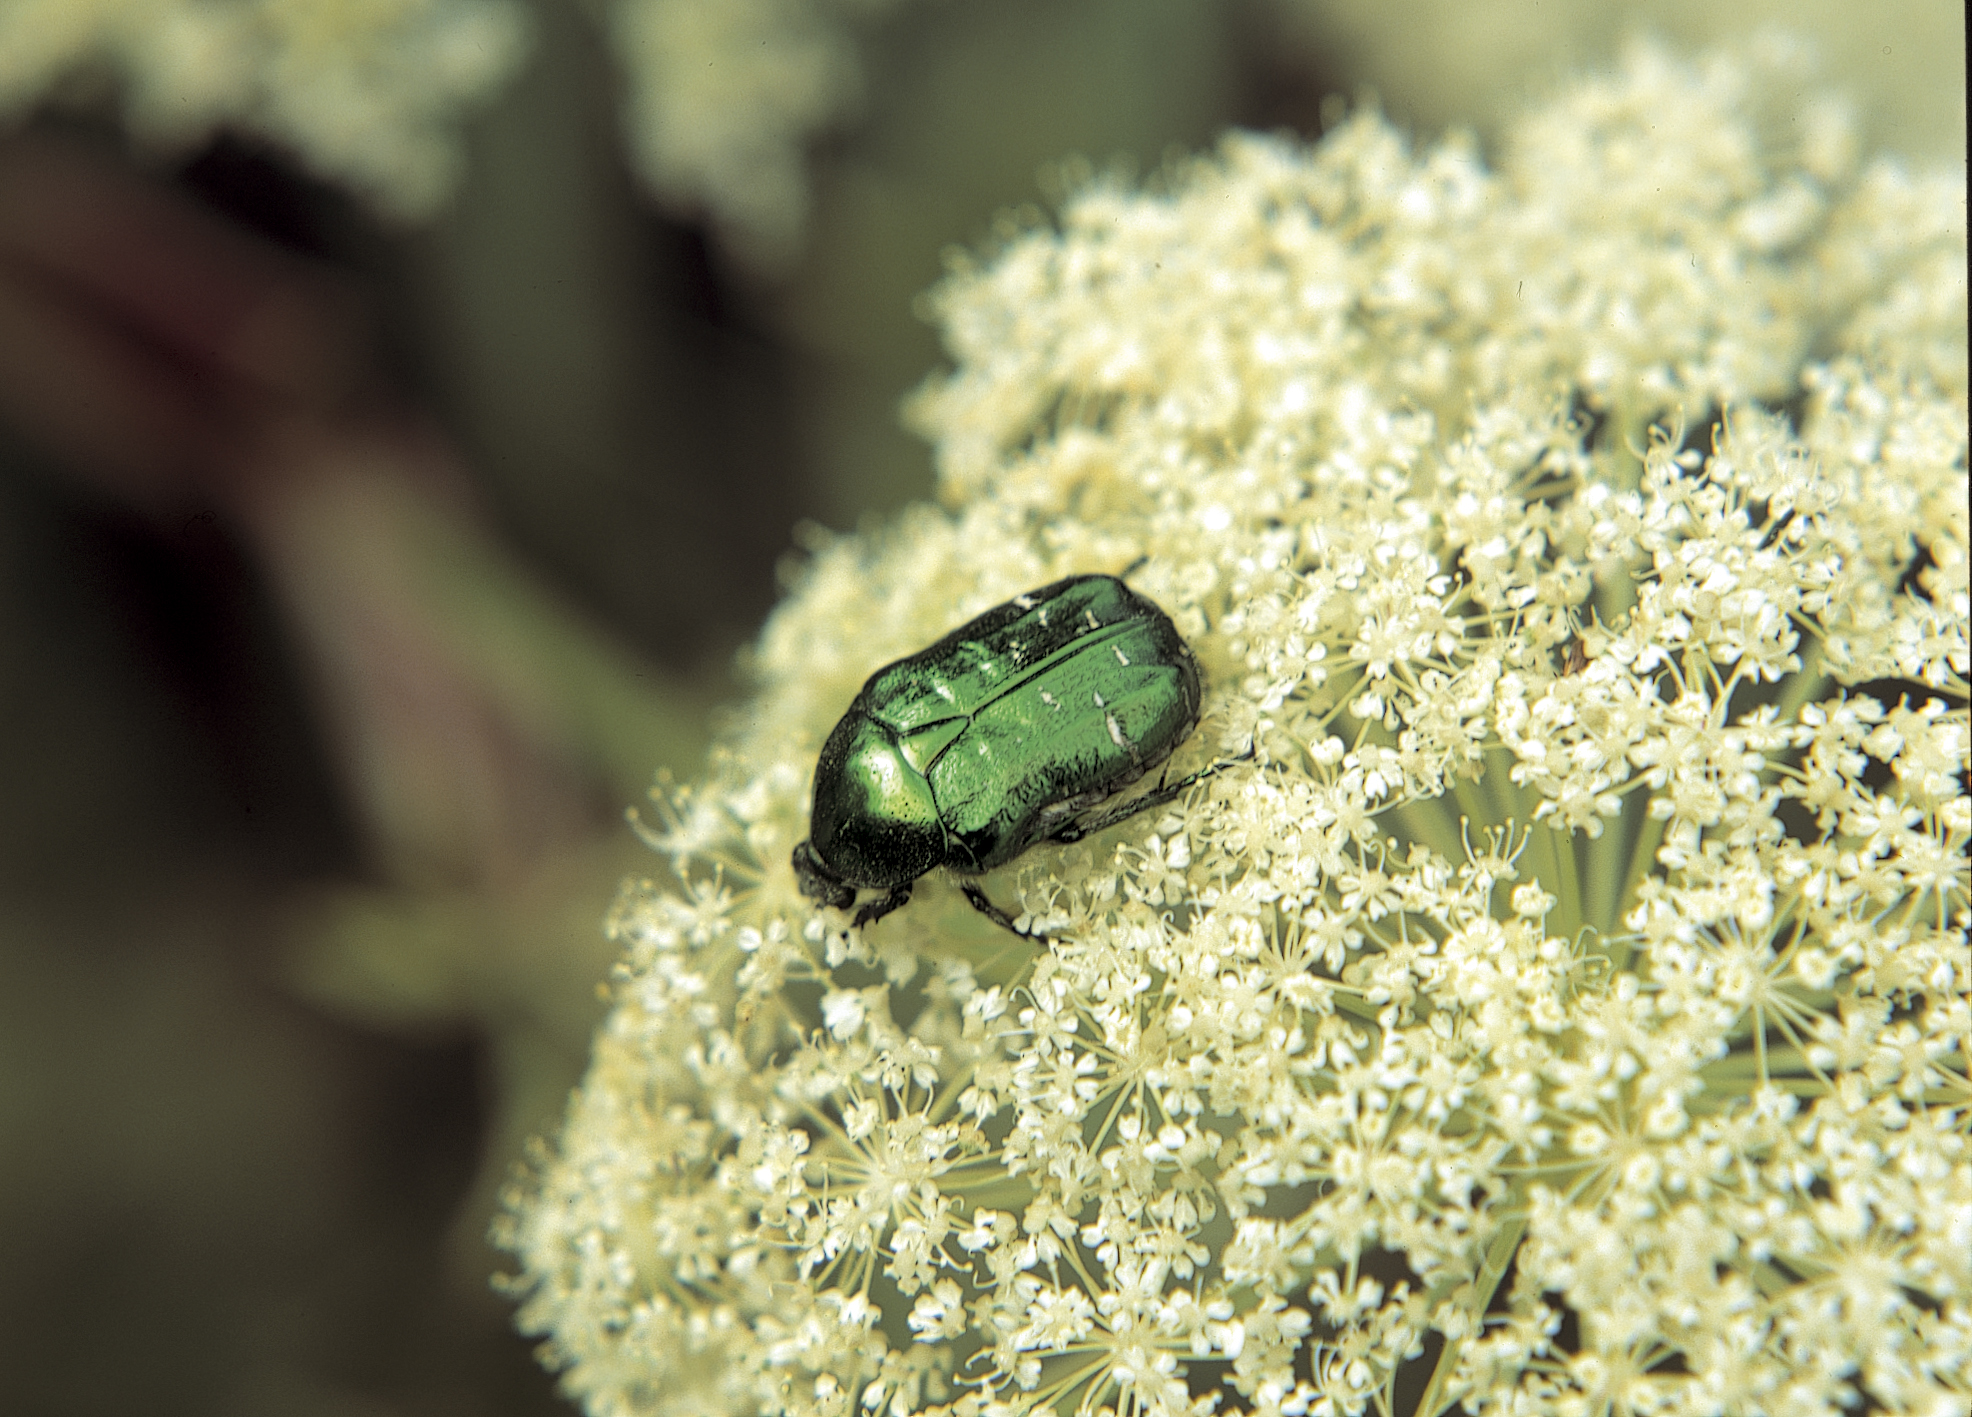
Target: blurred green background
312	801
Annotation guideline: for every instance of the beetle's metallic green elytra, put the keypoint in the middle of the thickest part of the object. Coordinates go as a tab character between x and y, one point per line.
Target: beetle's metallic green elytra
1003	734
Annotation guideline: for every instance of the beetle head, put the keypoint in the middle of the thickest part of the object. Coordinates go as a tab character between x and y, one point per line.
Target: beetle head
819	883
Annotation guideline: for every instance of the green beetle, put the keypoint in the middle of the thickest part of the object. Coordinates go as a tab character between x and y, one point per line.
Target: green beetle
1003	734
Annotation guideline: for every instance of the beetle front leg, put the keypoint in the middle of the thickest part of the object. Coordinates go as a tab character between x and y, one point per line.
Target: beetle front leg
875	910
982	904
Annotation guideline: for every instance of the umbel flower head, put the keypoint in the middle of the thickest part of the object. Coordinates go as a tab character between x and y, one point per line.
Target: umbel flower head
1565	1007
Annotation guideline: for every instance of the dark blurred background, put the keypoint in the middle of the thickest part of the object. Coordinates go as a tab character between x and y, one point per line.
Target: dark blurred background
356	574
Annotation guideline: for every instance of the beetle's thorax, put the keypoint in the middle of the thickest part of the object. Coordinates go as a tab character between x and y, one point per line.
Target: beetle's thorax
875	823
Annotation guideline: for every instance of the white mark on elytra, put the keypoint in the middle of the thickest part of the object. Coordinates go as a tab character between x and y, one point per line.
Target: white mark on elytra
1121	658
1115	730
1025	602
1099	702
944	692
1050	700
1090	616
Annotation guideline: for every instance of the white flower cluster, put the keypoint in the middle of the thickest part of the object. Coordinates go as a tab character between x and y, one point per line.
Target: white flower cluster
724	96
367	92
1565	1009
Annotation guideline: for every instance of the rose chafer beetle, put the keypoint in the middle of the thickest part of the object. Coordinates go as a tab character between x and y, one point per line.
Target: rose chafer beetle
1004	734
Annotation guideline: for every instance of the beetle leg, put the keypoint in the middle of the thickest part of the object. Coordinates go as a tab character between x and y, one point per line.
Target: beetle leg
874	911
1165	792
993	913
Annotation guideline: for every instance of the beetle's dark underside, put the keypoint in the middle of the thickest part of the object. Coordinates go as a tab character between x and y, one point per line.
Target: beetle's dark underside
1001	735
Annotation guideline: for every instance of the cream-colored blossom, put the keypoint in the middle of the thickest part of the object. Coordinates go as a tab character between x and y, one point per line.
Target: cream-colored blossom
1565	1006
367	92
723	98
1901	62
